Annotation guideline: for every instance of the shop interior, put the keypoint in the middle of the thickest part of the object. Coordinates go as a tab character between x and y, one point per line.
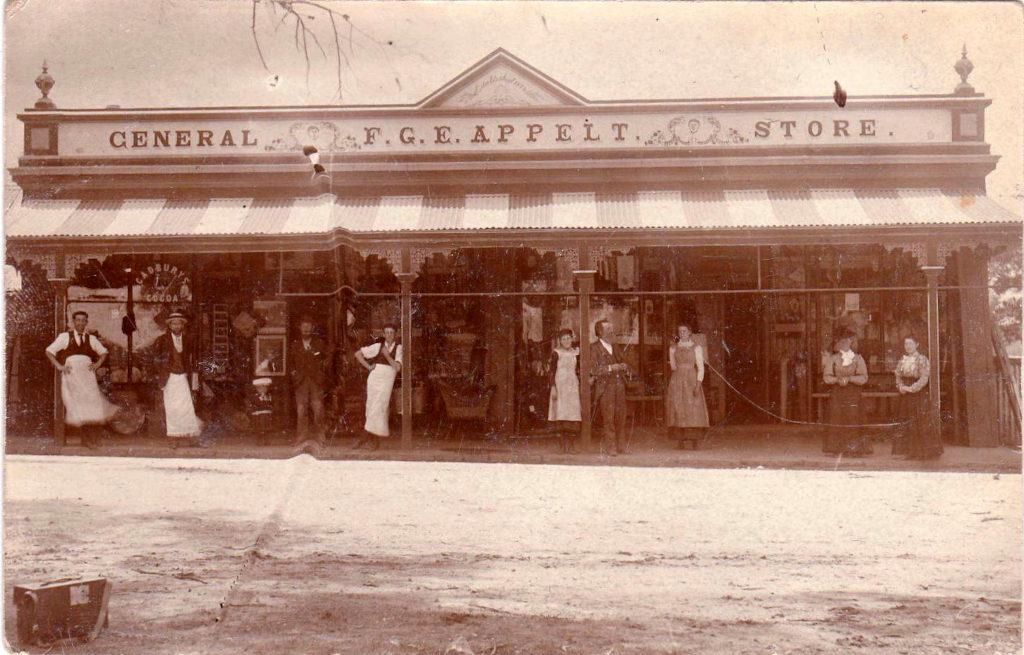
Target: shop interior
484	322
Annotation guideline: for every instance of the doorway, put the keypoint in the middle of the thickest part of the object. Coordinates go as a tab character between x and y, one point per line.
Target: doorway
743	336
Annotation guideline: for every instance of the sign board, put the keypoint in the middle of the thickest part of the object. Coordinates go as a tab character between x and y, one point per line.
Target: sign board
247	133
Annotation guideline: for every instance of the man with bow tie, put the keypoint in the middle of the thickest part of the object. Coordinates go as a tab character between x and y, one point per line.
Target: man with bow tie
77	355
309	377
608	376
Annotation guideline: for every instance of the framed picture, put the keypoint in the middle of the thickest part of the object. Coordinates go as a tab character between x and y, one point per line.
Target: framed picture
271	355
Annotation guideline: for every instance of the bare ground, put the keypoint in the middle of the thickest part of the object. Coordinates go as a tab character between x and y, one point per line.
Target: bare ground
302	556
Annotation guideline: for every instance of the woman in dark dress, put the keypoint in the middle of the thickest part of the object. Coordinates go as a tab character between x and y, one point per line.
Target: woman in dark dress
913	436
845	373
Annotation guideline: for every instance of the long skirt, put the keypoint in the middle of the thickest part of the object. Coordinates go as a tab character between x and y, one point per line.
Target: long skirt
84	403
913	436
843	434
379	384
684	401
182	422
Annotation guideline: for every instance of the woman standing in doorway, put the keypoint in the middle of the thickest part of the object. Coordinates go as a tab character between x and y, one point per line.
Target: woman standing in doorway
564	406
913	437
383	359
845	372
687	413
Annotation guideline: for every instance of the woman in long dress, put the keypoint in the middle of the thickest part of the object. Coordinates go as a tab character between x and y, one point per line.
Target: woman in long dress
564	405
845	372
913	436
383	359
687	412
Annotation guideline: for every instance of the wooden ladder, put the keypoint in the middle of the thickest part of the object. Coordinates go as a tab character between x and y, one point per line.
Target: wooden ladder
221	350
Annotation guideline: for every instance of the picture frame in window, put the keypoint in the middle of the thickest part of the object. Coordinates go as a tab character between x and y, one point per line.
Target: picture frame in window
271	357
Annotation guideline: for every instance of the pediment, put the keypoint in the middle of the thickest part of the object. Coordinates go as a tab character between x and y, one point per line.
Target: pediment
501	80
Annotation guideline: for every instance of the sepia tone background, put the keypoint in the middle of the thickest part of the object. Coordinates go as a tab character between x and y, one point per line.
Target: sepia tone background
171	53
305	555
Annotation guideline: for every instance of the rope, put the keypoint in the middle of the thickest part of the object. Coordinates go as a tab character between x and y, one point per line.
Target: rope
795	421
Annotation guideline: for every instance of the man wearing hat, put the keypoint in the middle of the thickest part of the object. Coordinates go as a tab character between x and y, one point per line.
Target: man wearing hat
309	377
174	357
77	355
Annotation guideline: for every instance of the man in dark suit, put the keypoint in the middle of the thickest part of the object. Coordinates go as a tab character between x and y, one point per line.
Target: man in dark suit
309	377
174	359
608	374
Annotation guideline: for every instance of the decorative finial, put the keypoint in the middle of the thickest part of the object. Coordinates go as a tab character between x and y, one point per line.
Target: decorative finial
44	83
963	69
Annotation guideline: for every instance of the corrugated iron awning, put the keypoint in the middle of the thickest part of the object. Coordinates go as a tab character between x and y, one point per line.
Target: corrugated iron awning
594	211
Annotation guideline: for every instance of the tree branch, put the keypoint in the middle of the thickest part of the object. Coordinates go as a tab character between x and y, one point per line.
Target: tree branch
304	33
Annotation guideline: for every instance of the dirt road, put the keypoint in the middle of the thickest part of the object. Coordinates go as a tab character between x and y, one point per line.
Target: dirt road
301	556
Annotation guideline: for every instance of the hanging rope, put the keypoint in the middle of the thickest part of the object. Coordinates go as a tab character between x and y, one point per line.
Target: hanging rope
795	421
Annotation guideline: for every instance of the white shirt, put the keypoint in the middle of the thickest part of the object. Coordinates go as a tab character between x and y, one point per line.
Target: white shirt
371	351
176	338
607	346
63	340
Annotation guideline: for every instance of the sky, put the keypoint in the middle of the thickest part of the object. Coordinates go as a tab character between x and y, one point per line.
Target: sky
178	53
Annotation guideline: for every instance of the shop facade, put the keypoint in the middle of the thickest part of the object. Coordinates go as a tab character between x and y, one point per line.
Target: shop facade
500	209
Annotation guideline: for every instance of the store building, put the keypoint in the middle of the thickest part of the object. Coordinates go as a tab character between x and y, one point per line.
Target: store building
503	207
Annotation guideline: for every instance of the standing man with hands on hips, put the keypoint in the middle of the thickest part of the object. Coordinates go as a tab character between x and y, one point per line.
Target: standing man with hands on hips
77	355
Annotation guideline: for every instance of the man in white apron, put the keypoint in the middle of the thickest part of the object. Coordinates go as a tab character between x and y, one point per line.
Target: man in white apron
383	360
77	355
175	360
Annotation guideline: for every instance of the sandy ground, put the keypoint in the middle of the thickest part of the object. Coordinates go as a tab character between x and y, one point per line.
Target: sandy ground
303	556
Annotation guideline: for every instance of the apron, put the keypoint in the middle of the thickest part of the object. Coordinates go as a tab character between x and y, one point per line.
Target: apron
565	406
182	421
379	384
83	400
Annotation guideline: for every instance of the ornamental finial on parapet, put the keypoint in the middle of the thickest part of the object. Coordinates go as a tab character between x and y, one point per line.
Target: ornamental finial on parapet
45	82
963	69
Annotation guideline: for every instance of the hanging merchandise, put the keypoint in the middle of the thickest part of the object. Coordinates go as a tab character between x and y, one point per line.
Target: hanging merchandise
563	274
533	323
570	320
626	273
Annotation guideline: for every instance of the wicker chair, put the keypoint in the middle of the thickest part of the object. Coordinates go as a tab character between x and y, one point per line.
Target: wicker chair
464	404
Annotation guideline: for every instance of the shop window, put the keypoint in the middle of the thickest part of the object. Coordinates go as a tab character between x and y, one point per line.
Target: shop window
303	271
861	266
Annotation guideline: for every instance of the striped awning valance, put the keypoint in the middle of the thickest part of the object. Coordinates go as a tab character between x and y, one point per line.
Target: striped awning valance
391	214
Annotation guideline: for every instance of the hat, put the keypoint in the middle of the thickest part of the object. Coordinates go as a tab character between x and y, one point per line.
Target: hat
262	382
177	314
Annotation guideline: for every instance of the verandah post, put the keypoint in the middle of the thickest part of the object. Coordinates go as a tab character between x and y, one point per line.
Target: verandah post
406	280
932	274
60	289
586	285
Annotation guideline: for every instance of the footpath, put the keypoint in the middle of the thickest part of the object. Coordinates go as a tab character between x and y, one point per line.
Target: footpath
730	447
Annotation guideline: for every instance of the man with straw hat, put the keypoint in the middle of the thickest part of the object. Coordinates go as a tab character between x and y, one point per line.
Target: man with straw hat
175	361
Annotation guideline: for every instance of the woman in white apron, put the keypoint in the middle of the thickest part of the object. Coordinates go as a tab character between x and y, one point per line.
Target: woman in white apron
77	355
564	405
383	360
